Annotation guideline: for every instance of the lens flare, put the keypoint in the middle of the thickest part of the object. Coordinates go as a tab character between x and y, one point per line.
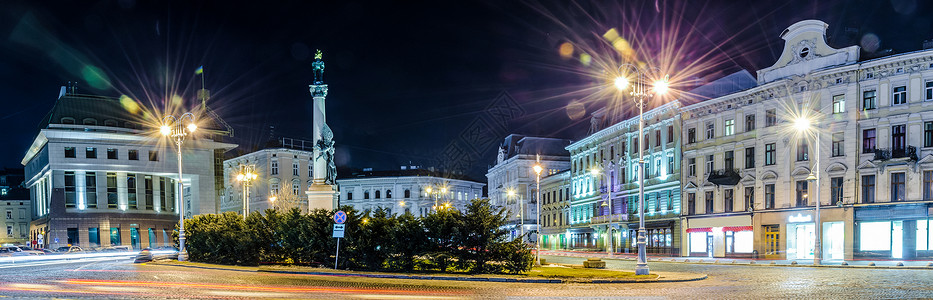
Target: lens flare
129	104
621	83
566	50
661	87
165	130
192	127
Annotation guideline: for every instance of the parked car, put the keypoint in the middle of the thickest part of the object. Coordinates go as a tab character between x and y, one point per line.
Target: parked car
144	256
116	249
71	249
31	251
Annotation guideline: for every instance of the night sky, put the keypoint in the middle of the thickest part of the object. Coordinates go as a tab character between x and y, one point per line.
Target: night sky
409	81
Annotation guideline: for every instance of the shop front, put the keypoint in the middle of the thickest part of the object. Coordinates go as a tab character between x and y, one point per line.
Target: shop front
792	234
721	236
899	231
662	237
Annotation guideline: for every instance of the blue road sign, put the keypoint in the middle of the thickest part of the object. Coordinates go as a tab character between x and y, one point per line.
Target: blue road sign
340	217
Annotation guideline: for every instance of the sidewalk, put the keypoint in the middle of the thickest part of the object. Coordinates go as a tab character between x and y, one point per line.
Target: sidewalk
661	276
878	264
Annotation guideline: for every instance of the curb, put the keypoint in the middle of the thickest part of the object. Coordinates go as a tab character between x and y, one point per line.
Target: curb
696	261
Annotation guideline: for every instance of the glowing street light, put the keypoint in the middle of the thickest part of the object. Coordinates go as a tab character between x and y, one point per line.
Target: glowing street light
174	128
272	201
640	91
804	126
521	211
246	176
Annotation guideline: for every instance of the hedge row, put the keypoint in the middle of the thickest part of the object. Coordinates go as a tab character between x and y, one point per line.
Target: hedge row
448	240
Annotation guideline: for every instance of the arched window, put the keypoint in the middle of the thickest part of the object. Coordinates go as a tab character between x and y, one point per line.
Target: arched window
296	188
90	121
366	195
110	123
407	193
68	120
378	193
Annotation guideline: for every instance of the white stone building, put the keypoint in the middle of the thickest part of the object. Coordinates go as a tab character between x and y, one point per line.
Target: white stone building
283	171
98	176
417	191
514	172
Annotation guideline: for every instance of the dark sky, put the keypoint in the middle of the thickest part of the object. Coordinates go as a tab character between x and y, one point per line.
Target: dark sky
408	80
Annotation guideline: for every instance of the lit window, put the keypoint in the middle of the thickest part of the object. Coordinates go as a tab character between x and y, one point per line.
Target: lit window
869	100
839	104
730	127
900	95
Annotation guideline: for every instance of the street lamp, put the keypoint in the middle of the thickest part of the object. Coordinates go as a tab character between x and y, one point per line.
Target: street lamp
272	201
608	203
247	175
537	167
521	212
640	91
803	126
177	129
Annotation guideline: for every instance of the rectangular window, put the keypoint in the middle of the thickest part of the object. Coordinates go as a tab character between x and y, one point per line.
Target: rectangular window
709	202
728	199
868	189
710	163
691	135
897	186
898	137
645	142
835	190
153	155
147	185
928	91
749	157
749	198
802	193
802	151
670	165
769	154
838	144
839	104
295	168
93	237
90	182
657	140
112	153
69	152
634	145
927	185
131	190
670	133
900	95
71	233
769	196
868	140
875	236
70	197
691	203
162	194
729	160
132	154
691	166
90	152
928	134
115	236
749	123
730	127
770	118
869	100
275	168
111	190
710	130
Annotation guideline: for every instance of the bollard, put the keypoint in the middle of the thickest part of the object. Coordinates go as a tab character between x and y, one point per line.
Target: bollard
930	264
900	264
871	264
793	262
845	263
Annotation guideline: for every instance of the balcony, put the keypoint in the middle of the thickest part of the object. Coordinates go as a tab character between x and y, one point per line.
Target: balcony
724	177
885	154
605	218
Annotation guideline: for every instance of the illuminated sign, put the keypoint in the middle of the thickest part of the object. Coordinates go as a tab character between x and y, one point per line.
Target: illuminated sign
799	219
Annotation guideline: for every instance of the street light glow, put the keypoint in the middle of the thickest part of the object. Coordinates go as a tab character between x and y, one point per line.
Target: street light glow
621	83
661	86
165	130
594	171
192	127
802	124
538	169
239	177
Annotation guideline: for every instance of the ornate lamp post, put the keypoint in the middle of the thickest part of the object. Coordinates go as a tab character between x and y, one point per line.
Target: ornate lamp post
246	176
640	91
803	126
537	167
608	202
177	129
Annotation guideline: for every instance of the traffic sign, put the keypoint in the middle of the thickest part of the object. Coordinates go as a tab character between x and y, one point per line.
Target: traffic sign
338	230
340	217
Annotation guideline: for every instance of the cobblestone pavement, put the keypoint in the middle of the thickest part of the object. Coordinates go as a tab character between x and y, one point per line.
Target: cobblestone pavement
122	279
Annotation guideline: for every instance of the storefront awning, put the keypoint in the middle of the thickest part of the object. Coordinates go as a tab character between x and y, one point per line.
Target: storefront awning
727	228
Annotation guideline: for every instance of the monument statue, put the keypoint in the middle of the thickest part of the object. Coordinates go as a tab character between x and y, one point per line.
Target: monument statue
322	193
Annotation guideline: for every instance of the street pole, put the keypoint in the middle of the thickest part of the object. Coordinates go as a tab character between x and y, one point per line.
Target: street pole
178	130
609	249
818	251
538	170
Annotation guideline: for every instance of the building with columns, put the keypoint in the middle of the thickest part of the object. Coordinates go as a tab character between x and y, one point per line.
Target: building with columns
514	172
98	175
408	190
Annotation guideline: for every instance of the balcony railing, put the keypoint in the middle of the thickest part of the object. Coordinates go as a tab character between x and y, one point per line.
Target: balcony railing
884	154
724	177
605	218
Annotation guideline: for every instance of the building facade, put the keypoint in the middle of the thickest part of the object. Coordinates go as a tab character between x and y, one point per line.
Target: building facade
604	183
512	180
97	177
555	211
284	172
415	191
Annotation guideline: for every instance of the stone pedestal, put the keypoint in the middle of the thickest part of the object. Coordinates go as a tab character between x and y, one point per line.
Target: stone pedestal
322	196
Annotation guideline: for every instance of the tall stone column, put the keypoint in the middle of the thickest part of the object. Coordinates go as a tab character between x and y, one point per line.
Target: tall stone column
322	193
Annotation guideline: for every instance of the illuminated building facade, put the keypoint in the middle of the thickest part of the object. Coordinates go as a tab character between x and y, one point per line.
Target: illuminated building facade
283	170
410	189
555	210
514	172
99	174
611	150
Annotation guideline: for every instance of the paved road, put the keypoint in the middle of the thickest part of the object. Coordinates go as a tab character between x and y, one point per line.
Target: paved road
122	279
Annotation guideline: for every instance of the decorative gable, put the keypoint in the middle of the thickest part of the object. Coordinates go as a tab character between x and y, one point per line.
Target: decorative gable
805	50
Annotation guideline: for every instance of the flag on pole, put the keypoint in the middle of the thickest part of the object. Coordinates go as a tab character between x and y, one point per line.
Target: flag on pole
199	70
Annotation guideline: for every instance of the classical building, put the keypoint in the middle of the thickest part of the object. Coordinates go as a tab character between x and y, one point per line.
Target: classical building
15	206
604	184
409	190
512	179
555	210
747	166
97	176
283	175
